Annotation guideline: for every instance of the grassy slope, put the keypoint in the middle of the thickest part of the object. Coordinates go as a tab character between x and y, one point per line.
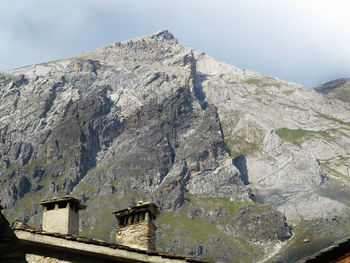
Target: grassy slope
175	225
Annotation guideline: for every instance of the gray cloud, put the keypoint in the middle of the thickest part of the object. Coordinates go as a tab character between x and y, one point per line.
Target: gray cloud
268	36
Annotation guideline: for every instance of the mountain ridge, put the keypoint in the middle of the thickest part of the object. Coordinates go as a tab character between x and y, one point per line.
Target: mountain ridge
214	145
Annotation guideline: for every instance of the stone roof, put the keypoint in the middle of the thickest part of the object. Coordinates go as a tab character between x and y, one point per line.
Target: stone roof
23	231
63	199
140	207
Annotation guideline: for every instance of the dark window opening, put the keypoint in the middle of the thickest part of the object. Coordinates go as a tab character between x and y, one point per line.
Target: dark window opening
50	206
62	205
130	219
122	220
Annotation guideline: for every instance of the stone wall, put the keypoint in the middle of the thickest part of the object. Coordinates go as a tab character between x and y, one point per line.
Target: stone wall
41	259
140	235
54	248
52	256
61	220
73	221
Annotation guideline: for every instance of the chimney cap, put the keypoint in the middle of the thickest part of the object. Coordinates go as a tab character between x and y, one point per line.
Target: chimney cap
67	199
141	206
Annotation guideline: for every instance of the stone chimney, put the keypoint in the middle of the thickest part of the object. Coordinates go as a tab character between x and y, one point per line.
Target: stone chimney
135	226
61	215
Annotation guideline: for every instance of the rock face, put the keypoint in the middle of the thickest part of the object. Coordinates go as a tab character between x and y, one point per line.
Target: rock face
337	89
232	157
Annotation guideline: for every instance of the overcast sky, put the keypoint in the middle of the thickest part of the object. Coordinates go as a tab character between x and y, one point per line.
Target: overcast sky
304	41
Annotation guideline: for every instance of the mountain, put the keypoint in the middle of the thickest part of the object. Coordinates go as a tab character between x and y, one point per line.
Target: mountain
336	89
245	167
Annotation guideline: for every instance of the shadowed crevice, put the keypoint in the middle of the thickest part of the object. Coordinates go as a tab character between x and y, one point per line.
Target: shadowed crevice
241	163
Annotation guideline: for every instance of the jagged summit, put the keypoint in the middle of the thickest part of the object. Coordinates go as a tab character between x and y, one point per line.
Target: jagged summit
159	39
161	44
159	36
162	34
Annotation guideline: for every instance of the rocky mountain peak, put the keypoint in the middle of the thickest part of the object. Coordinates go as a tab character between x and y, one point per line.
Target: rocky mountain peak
232	157
163	35
160	37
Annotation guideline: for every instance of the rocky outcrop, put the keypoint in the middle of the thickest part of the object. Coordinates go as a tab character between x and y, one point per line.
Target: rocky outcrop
337	89
150	119
258	223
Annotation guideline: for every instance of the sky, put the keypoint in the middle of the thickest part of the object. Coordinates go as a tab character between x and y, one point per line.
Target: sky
304	41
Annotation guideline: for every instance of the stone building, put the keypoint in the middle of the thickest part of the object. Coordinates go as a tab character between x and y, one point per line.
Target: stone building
61	215
59	242
135	226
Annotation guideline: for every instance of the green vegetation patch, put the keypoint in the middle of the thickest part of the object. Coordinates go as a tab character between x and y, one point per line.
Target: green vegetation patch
231	82
325	116
298	136
29	166
101	169
252	81
193	229
25	206
263	82
104	221
239	146
245	141
33	164
210	203
343	158
326	167
10	168
199	228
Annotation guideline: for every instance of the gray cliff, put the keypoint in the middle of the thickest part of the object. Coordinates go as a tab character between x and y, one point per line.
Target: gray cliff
245	167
